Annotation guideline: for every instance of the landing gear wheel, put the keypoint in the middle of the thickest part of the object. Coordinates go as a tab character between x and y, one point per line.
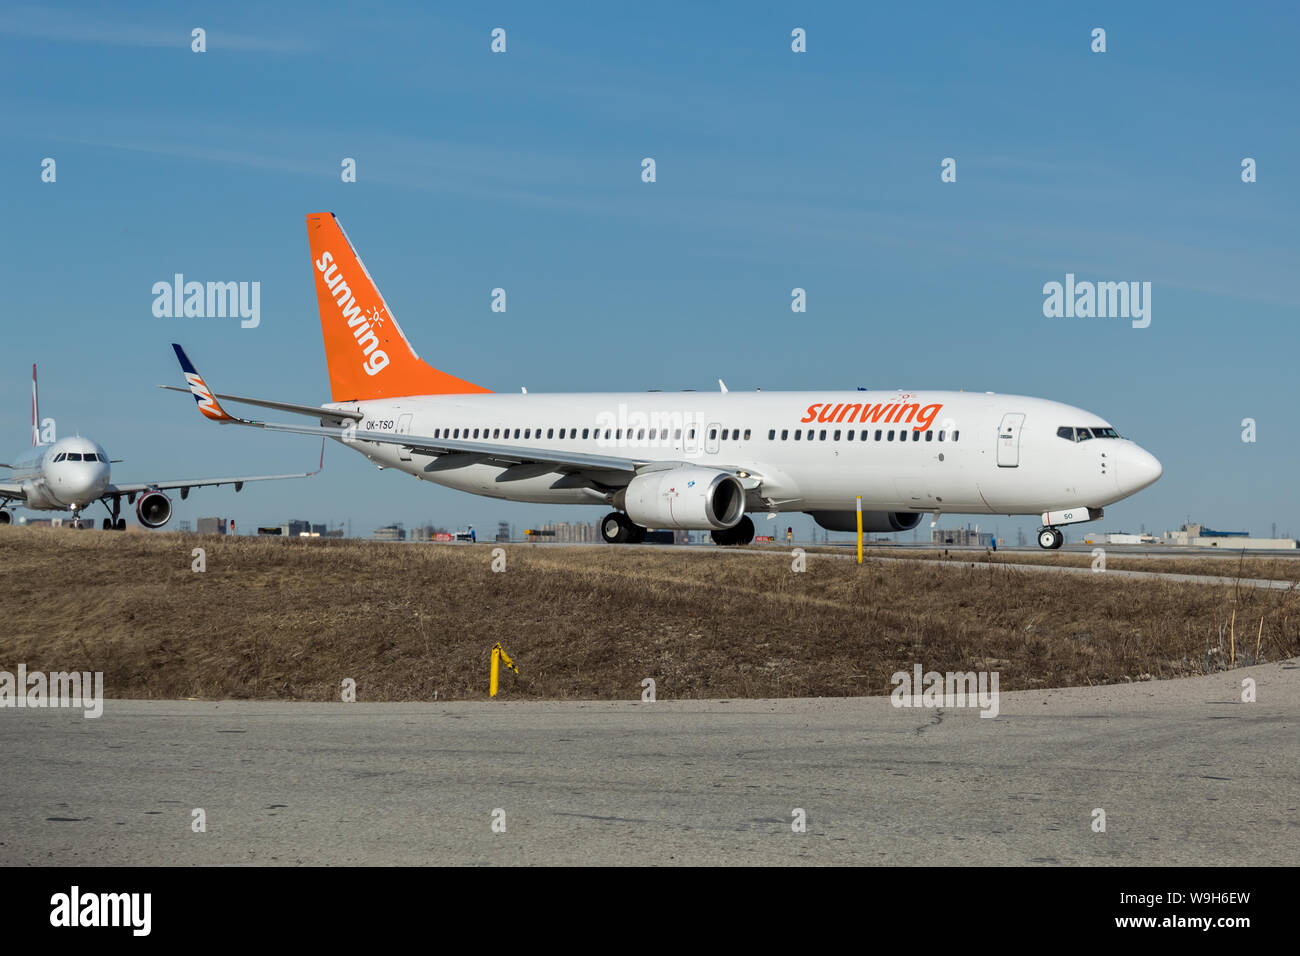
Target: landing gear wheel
616	528
107	525
119	524
638	534
1050	539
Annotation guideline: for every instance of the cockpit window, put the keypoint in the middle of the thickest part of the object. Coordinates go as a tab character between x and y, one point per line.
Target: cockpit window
74	456
1080	433
60	456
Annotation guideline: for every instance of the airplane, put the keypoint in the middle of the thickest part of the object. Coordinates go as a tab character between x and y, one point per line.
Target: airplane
693	460
71	474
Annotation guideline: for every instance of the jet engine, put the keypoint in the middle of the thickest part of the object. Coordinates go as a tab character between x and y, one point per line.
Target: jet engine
693	498
154	509
871	520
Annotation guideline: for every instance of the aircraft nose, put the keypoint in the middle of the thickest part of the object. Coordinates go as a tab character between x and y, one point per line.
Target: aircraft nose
1138	468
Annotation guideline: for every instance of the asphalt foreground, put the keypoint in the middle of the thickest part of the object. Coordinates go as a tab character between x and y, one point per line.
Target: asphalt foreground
1185	772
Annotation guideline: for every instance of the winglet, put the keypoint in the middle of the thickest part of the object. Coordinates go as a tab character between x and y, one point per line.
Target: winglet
207	402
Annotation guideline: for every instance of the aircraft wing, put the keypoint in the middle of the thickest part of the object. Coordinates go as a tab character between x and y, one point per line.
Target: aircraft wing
12	492
531	461
184	485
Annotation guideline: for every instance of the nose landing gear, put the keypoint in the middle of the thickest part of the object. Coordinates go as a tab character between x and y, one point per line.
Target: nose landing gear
1050	538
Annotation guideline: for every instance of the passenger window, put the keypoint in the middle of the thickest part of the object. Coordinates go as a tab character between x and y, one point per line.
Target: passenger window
771	434
797	433
785	434
822	435
955	434
550	433
891	434
836	436
724	434
713	433
496	433
677	434
850	435
929	436
916	436
877	434
941	434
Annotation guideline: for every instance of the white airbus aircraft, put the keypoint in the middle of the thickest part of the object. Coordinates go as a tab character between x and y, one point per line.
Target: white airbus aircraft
693	460
71	474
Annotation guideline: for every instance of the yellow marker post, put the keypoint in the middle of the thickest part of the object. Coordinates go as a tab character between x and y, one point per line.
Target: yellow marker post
499	655
859	529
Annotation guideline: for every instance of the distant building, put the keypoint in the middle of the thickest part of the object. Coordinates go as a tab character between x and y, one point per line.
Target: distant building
962	537
392	532
301	529
1199	536
1118	537
212	525
503	530
569	532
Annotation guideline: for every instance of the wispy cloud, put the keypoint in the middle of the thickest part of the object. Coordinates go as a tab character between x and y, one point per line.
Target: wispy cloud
75	27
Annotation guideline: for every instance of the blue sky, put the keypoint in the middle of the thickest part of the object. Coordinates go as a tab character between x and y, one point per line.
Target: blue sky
775	170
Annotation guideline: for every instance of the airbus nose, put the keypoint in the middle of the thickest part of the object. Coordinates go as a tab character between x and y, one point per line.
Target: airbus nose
1137	468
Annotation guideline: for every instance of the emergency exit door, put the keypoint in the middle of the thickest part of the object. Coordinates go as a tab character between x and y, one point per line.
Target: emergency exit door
1009	440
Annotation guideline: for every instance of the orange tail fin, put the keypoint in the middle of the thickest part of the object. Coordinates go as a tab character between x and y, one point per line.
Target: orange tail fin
367	354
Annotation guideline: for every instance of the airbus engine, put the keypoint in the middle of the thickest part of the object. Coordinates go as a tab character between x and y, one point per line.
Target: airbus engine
871	520
690	498
154	509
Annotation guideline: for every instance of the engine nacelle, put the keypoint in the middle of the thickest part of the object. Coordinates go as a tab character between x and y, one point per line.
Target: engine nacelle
871	520
5	517
700	499
154	509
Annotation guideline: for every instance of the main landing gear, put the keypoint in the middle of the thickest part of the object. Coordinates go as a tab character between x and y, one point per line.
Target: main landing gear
618	528
1050	538
114	523
742	532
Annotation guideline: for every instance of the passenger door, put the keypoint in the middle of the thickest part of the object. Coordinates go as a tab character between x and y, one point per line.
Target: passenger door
1009	440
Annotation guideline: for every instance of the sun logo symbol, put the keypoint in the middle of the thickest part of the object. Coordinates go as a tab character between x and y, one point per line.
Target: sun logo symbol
376	315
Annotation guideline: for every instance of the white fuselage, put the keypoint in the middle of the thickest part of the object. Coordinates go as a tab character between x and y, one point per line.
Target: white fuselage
68	474
951	452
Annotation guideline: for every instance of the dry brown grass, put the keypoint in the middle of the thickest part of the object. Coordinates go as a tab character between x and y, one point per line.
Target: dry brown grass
1229	564
291	619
